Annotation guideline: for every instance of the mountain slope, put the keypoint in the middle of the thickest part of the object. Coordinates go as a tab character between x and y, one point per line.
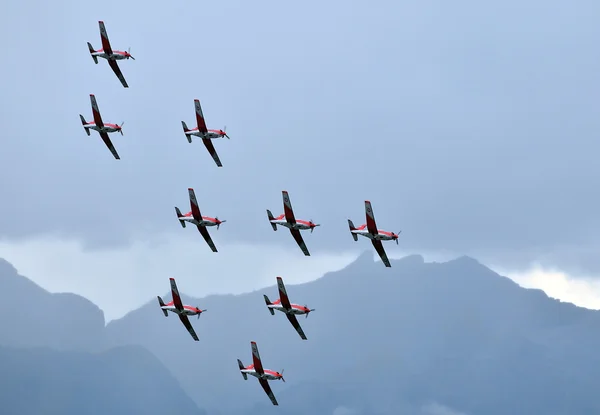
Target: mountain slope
120	381
455	334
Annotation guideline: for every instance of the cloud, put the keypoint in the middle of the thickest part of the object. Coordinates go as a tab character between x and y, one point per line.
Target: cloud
123	278
435	408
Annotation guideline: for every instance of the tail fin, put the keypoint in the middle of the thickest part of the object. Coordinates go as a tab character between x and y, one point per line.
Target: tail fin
271	217
241	366
92	51
268	304
162	304
84	122
185	130
352	228
179	215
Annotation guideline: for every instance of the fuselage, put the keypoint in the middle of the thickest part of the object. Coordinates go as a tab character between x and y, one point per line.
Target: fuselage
108	128
211	134
300	224
188	310
296	308
381	235
206	220
116	55
268	374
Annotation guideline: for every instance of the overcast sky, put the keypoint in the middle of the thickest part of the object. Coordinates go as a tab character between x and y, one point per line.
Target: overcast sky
471	126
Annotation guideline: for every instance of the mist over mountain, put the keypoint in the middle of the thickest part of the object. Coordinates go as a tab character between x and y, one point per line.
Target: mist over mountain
126	380
424	337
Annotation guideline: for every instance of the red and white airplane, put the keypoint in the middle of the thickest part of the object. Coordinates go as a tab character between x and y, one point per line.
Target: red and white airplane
183	311
101	127
290	310
264	375
204	133
195	217
369	230
288	220
112	56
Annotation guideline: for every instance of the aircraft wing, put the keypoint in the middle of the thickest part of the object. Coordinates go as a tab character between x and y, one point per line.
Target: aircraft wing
300	241
96	112
371	225
379	248
292	318
104	36
194	204
265	385
207	237
109	144
186	322
256	359
200	117
211	149
287	207
117	71
175	293
285	301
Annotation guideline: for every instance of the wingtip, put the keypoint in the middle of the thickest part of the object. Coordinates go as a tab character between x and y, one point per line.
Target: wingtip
171	279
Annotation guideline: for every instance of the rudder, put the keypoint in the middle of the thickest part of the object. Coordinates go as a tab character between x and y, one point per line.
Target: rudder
84	122
185	130
162	304
241	366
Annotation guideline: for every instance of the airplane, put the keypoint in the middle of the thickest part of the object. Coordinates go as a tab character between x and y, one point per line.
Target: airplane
288	220
369	230
204	133
112	56
101	127
183	311
264	375
195	217
290	310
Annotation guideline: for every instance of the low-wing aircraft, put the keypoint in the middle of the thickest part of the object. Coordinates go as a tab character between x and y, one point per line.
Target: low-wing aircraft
290	310
183	311
264	375
101	127
369	230
112	56
204	133
195	217
288	220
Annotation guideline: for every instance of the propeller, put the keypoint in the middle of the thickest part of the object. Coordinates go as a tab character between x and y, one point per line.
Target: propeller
200	311
120	127
396	236
281	375
129	54
313	225
308	310
225	132
219	222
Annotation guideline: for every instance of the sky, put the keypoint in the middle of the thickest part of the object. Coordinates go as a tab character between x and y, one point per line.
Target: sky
471	127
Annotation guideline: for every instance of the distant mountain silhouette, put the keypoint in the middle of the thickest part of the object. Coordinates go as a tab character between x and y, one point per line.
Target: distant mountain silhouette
127	380
31	316
423	338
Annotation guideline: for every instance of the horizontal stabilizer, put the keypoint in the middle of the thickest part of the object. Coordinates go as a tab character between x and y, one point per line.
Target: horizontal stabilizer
271	217
268	302
95	58
162	304
185	130
179	215
84	122
241	366
352	228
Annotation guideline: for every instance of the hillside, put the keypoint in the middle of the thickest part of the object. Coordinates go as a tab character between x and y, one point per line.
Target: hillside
417	336
126	380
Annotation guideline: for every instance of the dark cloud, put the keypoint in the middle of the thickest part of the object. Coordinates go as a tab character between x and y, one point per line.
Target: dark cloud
469	126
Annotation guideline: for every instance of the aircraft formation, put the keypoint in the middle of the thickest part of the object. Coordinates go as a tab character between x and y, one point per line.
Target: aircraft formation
287	219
